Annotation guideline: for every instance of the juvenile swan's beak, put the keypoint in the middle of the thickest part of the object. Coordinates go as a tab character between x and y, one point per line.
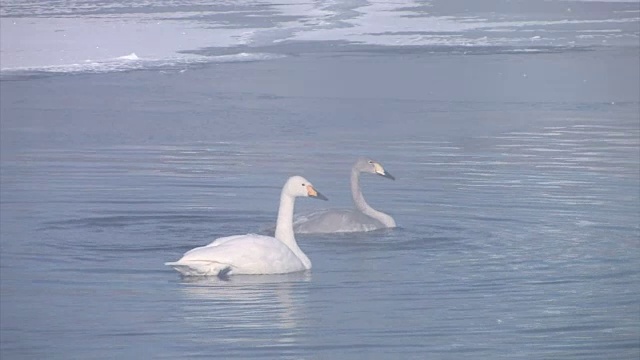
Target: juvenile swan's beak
380	171
313	193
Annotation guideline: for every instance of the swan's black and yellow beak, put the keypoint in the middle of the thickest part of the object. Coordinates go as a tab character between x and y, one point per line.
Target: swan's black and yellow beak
311	192
380	171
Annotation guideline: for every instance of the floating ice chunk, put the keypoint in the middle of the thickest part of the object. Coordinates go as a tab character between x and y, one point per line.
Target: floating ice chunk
131	56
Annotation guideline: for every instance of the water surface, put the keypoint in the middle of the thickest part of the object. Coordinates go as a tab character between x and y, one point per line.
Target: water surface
517	199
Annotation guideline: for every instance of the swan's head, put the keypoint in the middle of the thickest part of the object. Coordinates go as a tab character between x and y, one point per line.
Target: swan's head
373	167
299	186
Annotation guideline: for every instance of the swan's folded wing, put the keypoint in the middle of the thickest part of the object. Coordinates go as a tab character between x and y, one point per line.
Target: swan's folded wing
220	241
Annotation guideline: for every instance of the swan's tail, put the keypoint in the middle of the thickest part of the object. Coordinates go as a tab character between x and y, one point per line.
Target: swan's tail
200	268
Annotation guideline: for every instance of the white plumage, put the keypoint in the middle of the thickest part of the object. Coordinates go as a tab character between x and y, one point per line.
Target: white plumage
252	253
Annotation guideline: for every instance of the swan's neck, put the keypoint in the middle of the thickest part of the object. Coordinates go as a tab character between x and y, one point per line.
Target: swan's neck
284	228
362	205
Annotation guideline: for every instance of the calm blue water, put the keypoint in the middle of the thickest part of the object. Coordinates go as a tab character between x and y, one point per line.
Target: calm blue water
517	197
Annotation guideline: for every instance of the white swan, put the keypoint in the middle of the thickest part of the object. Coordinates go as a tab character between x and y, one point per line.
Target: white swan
362	218
252	253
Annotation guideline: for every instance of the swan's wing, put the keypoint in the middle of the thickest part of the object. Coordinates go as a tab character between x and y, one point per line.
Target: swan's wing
243	254
335	220
221	240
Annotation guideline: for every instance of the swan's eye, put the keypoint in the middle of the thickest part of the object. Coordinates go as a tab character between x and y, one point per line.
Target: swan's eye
370	161
303	185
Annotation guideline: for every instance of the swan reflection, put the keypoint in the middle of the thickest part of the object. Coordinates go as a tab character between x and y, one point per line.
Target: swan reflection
247	310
